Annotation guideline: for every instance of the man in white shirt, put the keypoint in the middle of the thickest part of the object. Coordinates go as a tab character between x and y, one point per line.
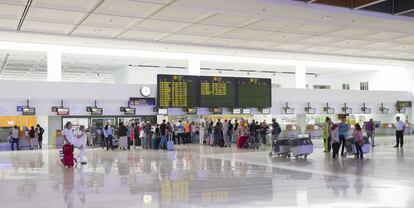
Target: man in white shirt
399	132
78	142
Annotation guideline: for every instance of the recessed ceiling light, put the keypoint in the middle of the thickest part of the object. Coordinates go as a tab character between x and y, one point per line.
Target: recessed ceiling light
98	30
326	17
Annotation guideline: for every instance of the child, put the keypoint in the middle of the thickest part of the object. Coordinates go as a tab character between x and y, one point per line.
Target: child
335	142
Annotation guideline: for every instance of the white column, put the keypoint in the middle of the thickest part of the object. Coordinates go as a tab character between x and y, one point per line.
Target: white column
194	66
300	76
54	65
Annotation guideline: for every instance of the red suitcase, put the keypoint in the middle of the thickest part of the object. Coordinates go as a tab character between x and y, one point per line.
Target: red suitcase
68	159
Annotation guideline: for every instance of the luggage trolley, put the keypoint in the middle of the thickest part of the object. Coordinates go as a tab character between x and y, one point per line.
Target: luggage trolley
301	147
351	148
280	147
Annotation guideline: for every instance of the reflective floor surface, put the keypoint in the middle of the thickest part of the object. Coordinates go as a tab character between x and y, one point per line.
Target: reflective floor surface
202	176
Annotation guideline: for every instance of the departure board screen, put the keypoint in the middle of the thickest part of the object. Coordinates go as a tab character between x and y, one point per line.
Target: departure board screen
254	92
217	91
177	91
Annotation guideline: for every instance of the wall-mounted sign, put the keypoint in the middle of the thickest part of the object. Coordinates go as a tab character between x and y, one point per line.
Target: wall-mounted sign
142	101
162	111
266	111
216	110
96	111
62	111
246	110
191	110
236	111
19	108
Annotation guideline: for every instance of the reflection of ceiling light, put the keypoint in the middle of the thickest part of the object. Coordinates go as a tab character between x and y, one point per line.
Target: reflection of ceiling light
326	17
147	199
98	30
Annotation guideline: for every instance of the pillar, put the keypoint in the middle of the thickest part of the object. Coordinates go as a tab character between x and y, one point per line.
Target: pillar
194	66
300	76
54	65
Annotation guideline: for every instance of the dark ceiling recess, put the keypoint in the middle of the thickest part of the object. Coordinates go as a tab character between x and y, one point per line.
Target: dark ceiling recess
394	7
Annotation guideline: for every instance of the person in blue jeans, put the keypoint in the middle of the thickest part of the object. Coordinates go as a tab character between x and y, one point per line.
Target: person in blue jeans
343	133
163	133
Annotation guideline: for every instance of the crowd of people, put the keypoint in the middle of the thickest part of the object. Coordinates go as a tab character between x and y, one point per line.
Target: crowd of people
34	136
337	136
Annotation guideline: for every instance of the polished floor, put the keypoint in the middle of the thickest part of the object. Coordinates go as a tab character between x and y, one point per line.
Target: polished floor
201	176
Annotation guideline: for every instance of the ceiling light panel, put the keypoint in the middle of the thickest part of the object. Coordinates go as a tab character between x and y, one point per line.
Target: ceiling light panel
10	11
128	8
229	20
270	24
93	32
206	30
160	25
55	28
100	20
184	38
142	35
352	32
246	34
72	5
54	16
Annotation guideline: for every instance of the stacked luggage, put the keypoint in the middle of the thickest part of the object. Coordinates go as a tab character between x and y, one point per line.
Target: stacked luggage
351	148
301	147
295	147
280	147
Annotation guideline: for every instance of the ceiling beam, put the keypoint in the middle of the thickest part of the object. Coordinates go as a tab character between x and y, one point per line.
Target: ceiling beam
24	14
359	4
403	6
4	63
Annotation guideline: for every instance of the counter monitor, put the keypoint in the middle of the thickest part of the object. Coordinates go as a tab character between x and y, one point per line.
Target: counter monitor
217	91
26	111
266	111
254	92
96	111
246	111
62	111
129	111
191	110
177	91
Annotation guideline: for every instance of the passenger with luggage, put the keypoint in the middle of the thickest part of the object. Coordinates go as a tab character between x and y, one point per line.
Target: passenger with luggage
370	130
33	138
263	132
155	143
163	134
180	133
343	133
359	141
78	141
335	141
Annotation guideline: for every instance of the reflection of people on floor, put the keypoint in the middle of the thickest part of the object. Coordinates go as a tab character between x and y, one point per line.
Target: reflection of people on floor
358	184
335	182
81	185
68	186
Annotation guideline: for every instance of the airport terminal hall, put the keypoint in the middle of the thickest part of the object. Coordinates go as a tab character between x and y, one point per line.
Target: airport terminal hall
206	103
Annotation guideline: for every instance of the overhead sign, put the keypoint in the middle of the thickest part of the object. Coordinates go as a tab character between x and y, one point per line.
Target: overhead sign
142	101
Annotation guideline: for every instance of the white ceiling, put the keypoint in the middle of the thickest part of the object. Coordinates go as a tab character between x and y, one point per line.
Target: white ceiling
259	24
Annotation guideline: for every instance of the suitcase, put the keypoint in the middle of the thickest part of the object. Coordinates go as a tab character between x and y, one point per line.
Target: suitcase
68	160
170	145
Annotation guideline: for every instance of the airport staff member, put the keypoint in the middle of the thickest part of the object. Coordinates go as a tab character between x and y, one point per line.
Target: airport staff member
399	132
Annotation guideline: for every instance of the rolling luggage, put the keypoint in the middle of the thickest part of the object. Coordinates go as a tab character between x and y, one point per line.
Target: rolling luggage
67	158
170	145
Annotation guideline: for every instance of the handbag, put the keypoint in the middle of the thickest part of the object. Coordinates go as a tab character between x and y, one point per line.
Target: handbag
10	139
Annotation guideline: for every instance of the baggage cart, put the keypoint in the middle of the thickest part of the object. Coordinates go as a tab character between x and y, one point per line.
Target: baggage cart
280	147
301	147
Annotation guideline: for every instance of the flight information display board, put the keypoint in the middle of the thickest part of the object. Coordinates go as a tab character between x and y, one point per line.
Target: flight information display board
177	91
254	92
217	91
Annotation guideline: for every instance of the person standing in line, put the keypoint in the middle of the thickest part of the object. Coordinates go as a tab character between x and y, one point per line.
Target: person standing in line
148	134
225	130
335	140
327	134
122	133
187	132
210	136
218	135
142	134
169	133
230	131
399	132
180	133
202	134
33	138
108	131
275	130
79	142
263	132
163	133
359	141
370	130
343	133
137	142
40	132
15	138
194	128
